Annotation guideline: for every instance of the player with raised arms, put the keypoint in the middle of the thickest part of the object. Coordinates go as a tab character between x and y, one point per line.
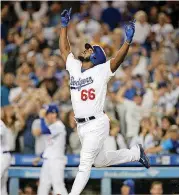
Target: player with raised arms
89	75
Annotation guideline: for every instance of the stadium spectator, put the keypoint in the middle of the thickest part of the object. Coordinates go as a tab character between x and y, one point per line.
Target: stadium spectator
111	16
153	15
29	189
166	123
117	37
88	26
141	26
145	136
54	14
30	13
95	10
134	110
12	116
171	144
115	140
156	188
23	89
162	29
8	83
128	187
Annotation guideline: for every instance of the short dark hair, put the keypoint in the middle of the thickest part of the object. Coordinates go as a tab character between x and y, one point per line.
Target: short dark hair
170	119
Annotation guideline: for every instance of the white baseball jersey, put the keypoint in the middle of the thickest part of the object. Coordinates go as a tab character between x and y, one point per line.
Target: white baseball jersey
4	138
88	88
55	142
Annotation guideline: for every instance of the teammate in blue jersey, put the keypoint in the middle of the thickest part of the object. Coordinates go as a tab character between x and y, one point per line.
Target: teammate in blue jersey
52	172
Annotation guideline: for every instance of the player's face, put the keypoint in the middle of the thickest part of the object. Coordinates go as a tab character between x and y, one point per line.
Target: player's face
125	190
156	190
51	117
85	55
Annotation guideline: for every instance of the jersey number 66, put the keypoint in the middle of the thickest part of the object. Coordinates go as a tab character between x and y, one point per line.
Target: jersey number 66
87	94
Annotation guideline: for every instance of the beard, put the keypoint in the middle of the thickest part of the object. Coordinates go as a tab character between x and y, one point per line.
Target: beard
82	59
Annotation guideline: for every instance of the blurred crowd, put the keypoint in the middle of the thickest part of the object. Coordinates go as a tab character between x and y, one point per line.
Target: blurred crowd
143	96
128	187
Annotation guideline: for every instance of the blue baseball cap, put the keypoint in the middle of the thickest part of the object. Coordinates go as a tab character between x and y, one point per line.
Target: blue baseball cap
51	108
130	183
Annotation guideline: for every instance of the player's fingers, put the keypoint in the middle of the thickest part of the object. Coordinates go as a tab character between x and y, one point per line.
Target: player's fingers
64	12
70	11
132	25
132	22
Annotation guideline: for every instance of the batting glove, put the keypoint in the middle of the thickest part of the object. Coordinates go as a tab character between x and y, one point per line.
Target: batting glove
130	30
65	17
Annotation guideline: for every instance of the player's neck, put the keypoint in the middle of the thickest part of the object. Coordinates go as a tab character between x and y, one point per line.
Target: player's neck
86	65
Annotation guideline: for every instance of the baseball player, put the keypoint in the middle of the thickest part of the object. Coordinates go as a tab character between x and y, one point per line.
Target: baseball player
89	75
52	172
5	157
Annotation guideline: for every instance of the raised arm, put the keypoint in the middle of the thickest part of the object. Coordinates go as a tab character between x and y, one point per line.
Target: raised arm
64	44
121	54
18	9
120	94
43	10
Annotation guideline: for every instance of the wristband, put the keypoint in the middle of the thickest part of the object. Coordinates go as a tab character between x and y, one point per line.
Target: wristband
128	42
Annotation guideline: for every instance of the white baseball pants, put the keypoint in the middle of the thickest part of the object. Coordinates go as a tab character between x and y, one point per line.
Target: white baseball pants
5	163
92	135
52	174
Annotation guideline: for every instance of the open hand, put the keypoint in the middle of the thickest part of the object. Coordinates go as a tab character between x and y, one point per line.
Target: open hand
65	17
130	30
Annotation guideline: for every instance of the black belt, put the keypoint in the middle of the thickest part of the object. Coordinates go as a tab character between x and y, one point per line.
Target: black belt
82	120
10	152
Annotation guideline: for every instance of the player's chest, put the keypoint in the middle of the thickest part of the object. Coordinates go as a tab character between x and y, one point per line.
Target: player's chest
85	86
85	80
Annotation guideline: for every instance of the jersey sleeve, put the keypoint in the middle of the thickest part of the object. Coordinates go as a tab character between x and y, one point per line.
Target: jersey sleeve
57	128
105	69
36	124
167	145
72	64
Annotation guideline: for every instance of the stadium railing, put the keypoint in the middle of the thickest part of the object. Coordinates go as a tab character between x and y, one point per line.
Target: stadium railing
21	167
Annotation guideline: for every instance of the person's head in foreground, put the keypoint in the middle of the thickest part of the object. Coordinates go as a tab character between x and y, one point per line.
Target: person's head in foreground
92	56
156	188
51	113
29	189
128	187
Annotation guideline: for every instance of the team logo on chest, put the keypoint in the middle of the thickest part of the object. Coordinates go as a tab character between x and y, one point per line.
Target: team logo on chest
80	83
